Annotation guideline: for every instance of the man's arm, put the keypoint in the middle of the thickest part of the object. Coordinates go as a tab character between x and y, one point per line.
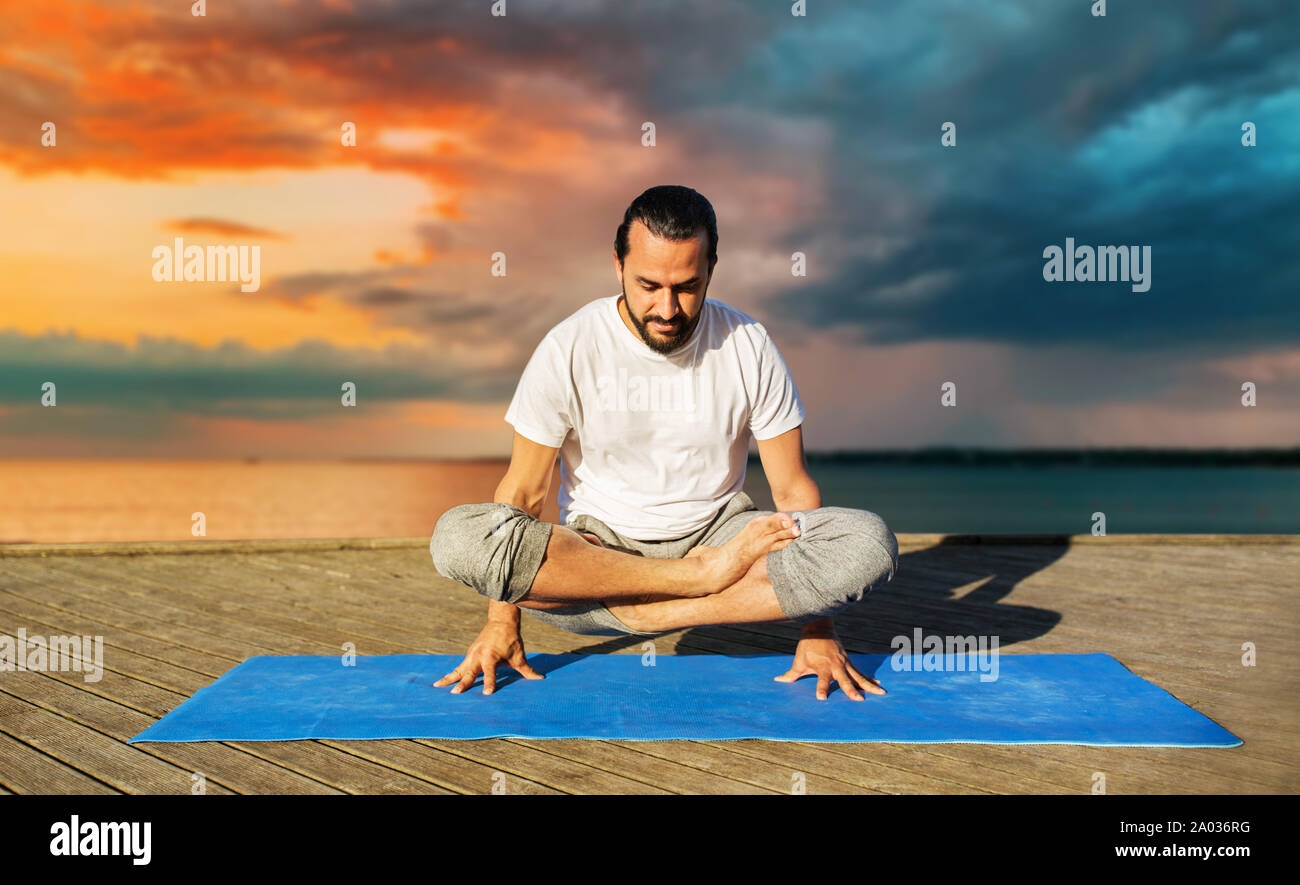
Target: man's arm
525	485
787	472
819	652
528	478
793	488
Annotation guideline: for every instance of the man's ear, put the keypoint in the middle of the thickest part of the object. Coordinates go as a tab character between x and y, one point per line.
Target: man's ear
618	268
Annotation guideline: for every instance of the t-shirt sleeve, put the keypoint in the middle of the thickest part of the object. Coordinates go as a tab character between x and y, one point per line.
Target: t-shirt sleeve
541	408
777	407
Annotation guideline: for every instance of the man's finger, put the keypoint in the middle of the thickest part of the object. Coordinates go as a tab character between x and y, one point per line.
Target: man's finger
489	677
847	685
866	682
466	680
791	675
525	669
448	679
823	685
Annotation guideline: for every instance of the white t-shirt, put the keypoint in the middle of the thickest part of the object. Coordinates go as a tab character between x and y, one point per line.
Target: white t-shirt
653	445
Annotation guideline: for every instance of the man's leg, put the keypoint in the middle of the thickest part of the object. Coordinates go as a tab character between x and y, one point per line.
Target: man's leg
575	570
841	555
750	600
507	555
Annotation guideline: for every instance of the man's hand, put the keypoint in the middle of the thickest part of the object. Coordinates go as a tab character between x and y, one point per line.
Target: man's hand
820	653
499	642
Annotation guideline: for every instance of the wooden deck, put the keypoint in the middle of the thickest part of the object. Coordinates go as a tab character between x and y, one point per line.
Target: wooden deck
1174	609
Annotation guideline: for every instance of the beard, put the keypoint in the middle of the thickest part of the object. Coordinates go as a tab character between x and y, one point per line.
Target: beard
674	339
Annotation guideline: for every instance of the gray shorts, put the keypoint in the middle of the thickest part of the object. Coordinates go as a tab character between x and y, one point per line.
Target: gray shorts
840	555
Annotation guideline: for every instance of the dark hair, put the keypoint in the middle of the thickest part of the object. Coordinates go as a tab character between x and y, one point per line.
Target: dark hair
672	212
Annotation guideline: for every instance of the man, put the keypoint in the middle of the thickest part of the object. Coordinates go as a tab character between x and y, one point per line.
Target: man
650	397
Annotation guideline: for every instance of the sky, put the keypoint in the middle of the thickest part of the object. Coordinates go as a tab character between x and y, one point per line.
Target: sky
522	134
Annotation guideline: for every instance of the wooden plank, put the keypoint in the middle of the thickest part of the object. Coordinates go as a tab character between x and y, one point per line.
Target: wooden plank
117	714
154	701
110	761
1031	614
278	753
1132	770
266	612
565	775
761	774
450	771
342	769
909	540
656	771
866	776
19	609
1090	574
27	770
362	605
217	546
69	586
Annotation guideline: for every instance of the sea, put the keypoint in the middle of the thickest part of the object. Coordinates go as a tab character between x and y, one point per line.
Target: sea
69	500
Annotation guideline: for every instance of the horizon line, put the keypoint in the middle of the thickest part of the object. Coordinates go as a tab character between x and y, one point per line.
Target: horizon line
938	453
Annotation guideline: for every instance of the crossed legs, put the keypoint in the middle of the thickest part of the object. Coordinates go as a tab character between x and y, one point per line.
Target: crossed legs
577	568
749	600
749	570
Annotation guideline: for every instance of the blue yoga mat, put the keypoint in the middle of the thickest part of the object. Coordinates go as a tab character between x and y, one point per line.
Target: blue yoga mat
1088	699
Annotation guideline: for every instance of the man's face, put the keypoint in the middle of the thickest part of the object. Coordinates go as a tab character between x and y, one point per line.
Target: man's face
664	284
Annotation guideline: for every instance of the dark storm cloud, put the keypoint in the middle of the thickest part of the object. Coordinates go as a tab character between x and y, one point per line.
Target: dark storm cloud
1122	130
233	379
441	312
1116	131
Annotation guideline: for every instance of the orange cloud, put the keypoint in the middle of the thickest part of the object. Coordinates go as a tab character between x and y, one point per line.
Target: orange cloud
145	91
221	228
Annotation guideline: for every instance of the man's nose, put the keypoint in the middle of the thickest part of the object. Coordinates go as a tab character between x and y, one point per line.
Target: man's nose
667	306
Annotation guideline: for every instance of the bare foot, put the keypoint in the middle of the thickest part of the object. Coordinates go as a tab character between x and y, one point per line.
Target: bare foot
727	564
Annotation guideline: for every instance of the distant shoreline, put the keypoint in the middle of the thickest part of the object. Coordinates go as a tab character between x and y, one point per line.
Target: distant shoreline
934	455
1099	457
